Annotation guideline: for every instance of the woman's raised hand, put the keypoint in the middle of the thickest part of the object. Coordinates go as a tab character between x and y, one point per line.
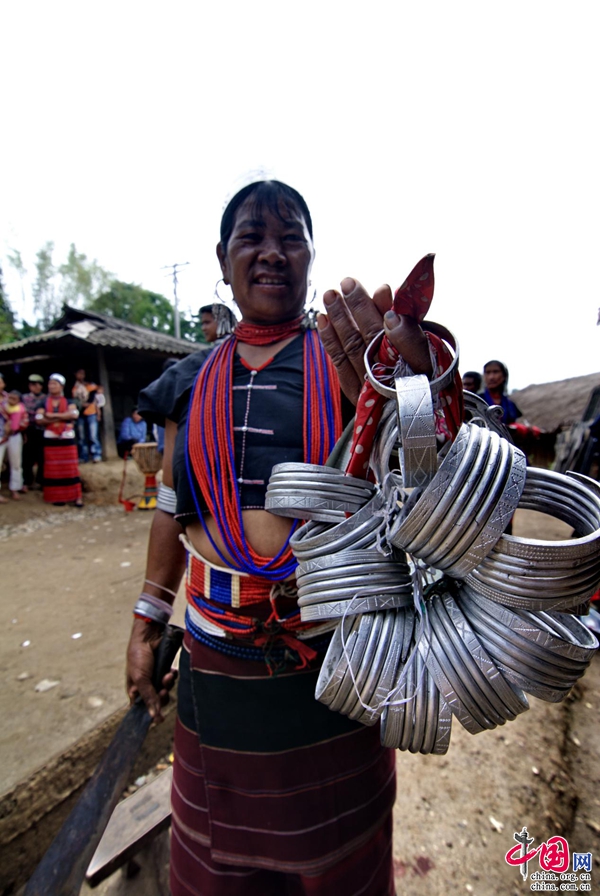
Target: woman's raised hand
353	319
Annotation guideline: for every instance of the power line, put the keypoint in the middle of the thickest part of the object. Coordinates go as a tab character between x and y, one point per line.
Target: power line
174	267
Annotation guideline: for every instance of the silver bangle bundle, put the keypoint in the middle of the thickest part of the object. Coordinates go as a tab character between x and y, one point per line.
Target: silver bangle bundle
455	522
153	608
362	529
440	613
542	653
310	491
545	575
355	581
166	499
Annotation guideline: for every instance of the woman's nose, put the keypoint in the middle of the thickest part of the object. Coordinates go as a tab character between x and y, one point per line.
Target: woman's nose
272	252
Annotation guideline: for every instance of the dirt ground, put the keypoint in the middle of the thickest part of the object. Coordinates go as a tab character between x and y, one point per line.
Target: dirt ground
69	580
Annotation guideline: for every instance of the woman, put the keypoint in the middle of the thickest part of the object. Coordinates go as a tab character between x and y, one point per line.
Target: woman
4	427
15	423
62	484
272	793
133	430
495	375
216	321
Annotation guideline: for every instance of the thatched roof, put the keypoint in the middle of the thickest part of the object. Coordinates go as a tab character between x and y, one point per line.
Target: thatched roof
100	329
553	406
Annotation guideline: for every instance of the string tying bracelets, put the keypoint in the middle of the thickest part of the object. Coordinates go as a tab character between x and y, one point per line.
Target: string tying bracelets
152	609
162	588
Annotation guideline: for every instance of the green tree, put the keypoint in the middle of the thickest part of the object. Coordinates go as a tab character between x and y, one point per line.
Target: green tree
77	282
8	329
28	330
46	302
190	328
132	303
81	280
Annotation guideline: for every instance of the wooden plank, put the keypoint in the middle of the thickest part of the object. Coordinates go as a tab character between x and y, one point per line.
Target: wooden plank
133	824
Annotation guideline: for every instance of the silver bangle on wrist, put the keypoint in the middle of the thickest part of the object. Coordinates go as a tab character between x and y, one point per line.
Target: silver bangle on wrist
153	608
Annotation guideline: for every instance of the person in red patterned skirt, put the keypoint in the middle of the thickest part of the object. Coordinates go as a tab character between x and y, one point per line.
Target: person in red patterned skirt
62	484
272	793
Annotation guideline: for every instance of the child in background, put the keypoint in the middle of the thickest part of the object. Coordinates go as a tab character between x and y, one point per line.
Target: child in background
16	422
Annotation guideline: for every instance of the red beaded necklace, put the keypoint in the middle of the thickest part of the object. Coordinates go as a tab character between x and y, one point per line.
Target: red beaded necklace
256	334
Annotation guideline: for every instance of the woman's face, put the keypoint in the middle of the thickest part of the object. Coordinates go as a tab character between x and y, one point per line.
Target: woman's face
493	376
54	387
267	263
208	325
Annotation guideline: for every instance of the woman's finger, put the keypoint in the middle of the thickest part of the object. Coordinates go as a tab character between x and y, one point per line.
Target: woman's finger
151	699
408	338
350	382
365	313
348	334
383	299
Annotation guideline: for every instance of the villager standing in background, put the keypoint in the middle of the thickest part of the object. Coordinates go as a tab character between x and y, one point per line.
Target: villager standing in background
3	425
471	381
12	442
495	375
216	322
33	449
133	430
62	484
91	400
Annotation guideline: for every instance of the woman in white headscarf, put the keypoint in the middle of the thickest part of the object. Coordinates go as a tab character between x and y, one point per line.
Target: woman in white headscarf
62	484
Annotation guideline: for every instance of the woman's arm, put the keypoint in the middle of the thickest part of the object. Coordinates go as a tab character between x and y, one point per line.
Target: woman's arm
165	566
45	417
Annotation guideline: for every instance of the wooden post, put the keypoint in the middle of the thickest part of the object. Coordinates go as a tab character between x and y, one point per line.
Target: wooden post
109	442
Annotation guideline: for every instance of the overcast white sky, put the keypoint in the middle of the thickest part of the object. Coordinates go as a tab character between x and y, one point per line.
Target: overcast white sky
464	128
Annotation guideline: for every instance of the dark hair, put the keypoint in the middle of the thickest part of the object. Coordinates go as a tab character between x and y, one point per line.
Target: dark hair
270	194
474	375
206	309
504	370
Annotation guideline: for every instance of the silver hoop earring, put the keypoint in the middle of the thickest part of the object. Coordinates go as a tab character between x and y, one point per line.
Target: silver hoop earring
216	293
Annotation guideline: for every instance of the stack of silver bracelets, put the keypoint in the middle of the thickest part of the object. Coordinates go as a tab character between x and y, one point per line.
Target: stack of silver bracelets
441	613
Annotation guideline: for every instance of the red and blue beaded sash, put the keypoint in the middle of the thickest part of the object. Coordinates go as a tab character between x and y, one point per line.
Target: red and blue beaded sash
210	457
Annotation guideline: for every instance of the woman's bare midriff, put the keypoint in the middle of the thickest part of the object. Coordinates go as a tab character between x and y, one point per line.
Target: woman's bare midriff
265	532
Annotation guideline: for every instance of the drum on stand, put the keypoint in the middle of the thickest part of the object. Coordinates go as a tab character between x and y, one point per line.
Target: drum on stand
149	461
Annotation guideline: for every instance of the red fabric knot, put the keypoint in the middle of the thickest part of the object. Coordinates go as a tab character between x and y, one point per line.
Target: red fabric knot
412	299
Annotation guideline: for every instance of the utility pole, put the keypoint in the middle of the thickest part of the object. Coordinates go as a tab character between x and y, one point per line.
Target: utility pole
174	267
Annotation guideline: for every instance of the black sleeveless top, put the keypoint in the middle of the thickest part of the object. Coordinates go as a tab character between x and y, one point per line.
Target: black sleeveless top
268	406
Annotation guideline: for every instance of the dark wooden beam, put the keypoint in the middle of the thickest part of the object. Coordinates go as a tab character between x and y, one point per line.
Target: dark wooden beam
109	442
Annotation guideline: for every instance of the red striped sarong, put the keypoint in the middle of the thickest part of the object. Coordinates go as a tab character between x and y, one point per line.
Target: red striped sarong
62	484
272	792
